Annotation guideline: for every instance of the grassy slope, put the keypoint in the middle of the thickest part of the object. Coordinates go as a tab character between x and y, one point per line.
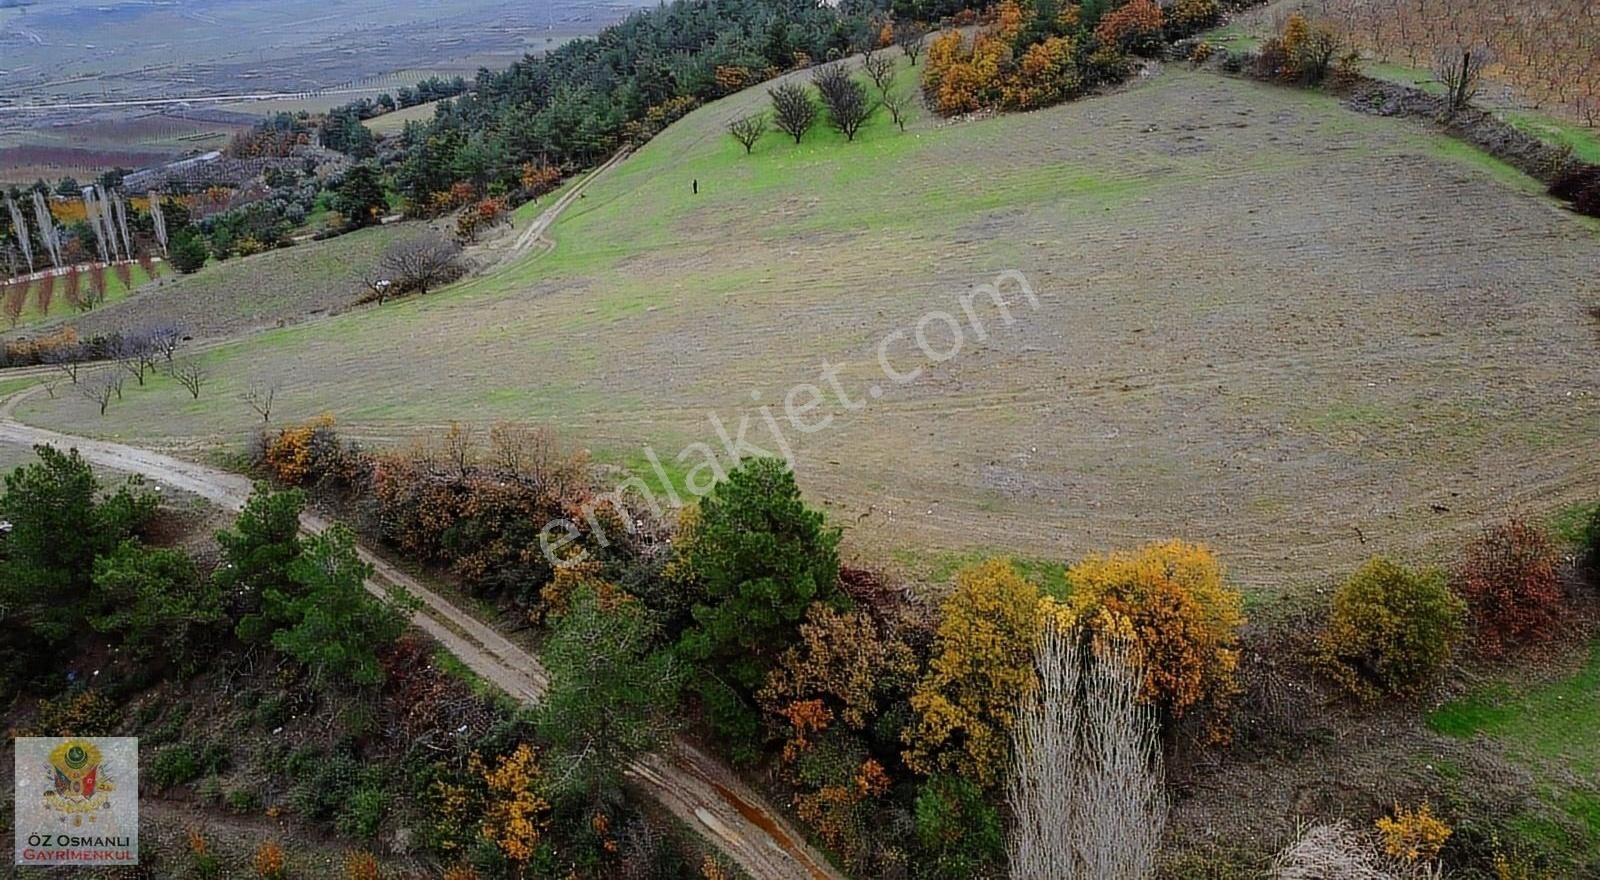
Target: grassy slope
658	304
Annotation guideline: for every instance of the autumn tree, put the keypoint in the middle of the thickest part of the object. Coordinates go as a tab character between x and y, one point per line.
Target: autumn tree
1134	27
1510	582
1391	629
14	301
611	693
1184	617
515	817
793	111
847	102
759	557
981	670
748	129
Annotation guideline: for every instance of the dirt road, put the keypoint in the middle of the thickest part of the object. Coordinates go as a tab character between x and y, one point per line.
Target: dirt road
691	785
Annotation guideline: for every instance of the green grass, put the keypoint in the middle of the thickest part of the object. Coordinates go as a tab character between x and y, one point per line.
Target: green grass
1584	141
1556	720
940	567
1569	526
1554	723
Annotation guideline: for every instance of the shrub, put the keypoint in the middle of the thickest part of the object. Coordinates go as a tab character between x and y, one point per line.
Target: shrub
306	453
1134	27
958	830
362	811
515	816
1187	17
1185	620
1509	581
268	861
242	800
362	866
1413	835
1392	630
981	669
174	765
80	713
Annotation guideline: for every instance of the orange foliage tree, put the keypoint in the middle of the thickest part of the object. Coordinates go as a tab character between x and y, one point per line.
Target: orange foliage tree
1509	580
1184	619
515	816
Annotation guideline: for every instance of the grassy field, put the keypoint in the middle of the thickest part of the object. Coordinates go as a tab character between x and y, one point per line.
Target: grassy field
1245	334
394	123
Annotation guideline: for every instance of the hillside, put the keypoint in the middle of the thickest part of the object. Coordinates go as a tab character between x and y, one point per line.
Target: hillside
1329	317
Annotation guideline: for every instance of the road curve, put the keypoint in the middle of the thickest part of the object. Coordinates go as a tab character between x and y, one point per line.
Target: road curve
693	786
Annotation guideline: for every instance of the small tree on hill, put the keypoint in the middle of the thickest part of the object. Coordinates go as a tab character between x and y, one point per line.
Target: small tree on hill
848	105
360	199
908	35
187	251
748	129
330	623
758	557
1460	71
898	103
256	554
793	111
157	602
418	263
880	69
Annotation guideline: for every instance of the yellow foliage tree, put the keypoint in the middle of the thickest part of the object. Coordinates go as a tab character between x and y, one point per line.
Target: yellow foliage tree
981	669
1184	618
514	815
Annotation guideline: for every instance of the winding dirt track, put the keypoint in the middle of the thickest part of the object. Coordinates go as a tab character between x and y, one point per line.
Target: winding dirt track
688	783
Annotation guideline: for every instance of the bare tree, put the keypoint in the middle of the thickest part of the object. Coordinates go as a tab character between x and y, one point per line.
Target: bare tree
748	129
100	392
260	399
908	35
1460	71
191	376
880	69
898	103
1085	786
66	362
14	300
137	353
793	110
165	339
418	263
849	108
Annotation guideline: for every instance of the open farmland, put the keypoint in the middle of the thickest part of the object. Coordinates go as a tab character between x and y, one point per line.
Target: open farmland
1259	314
248	293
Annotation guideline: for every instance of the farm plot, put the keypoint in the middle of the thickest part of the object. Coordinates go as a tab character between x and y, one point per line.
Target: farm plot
60	296
246	293
1300	334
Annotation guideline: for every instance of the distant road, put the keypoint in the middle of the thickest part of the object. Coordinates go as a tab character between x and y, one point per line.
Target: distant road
36	107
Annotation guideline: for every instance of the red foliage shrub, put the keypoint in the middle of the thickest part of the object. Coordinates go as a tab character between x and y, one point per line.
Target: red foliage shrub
1508	578
46	294
72	291
124	273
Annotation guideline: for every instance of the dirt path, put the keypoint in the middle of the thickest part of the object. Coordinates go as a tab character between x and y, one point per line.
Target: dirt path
691	785
534	236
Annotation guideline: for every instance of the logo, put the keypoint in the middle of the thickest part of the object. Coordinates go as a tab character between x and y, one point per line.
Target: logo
77	801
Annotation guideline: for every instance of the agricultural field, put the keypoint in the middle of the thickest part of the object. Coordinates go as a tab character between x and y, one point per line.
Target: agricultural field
1245	330
45	300
90	109
249	293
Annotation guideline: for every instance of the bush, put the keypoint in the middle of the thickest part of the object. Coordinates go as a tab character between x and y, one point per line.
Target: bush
1580	185
310	453
1185	619
1509	580
174	765
362	811
1413	835
1392	630
958	830
1133	27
